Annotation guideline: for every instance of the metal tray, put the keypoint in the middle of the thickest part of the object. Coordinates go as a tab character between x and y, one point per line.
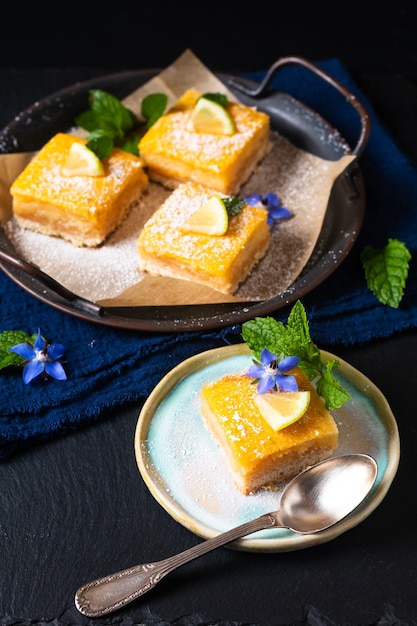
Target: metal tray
301	125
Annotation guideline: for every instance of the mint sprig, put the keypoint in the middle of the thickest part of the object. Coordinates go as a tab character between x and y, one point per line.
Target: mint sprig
293	339
153	106
108	121
110	124
386	271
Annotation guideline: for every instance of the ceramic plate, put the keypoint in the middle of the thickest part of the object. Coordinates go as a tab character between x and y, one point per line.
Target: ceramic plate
186	471
302	126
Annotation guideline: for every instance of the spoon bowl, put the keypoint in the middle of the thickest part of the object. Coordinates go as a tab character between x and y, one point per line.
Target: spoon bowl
319	497
326	493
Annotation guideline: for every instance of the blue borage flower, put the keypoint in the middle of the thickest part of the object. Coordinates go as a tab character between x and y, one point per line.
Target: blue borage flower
271	203
270	372
41	358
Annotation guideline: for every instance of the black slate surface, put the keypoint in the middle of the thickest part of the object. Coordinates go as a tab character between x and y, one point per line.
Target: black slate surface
76	508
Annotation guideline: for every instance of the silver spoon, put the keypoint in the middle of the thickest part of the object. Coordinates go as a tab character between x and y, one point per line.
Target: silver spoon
316	499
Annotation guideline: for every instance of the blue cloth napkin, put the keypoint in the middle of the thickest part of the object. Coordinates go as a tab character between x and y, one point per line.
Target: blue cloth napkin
110	368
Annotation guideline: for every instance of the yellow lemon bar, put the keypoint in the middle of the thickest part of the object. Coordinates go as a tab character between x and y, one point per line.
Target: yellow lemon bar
218	261
81	209
175	153
259	456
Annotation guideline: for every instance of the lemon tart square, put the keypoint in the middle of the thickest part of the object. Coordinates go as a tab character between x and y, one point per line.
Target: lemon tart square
175	153
81	209
217	261
259	456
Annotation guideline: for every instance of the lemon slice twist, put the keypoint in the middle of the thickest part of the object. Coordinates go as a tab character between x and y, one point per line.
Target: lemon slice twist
81	161
282	408
211	117
210	219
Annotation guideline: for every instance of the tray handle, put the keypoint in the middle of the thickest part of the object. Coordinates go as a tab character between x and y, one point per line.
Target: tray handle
350	98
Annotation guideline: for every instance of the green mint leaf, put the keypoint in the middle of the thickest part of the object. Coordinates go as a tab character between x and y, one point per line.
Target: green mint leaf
329	387
131	144
263	332
8	339
99	117
299	342
298	331
220	98
233	205
153	106
386	271
101	143
293	339
111	112
88	120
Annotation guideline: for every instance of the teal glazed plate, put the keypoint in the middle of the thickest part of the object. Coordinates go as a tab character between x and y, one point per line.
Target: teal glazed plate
187	472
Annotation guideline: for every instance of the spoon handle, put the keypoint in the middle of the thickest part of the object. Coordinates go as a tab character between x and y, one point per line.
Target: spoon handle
110	593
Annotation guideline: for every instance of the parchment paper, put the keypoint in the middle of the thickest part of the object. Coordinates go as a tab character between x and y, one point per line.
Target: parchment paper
109	274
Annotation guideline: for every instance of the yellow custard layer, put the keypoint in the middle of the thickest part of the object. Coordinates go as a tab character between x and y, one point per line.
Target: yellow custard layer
218	261
259	456
81	209
175	154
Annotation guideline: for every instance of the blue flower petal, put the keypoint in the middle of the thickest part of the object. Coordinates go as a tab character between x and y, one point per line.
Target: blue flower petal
39	344
55	369
32	369
287	383
271	203
272	200
265	384
267	357
253	199
56	351
255	371
279	213
24	350
288	363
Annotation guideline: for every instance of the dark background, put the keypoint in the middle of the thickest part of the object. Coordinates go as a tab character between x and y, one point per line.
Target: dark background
374	41
228	36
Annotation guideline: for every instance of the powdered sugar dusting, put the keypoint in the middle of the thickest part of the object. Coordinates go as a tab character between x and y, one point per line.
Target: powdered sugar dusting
302	181
92	273
211	152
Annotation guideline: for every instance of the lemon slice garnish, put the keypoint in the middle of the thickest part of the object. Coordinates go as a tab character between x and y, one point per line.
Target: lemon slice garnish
283	408
210	219
210	117
81	161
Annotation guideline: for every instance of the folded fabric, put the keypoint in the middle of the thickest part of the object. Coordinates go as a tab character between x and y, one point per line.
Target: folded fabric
110	368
